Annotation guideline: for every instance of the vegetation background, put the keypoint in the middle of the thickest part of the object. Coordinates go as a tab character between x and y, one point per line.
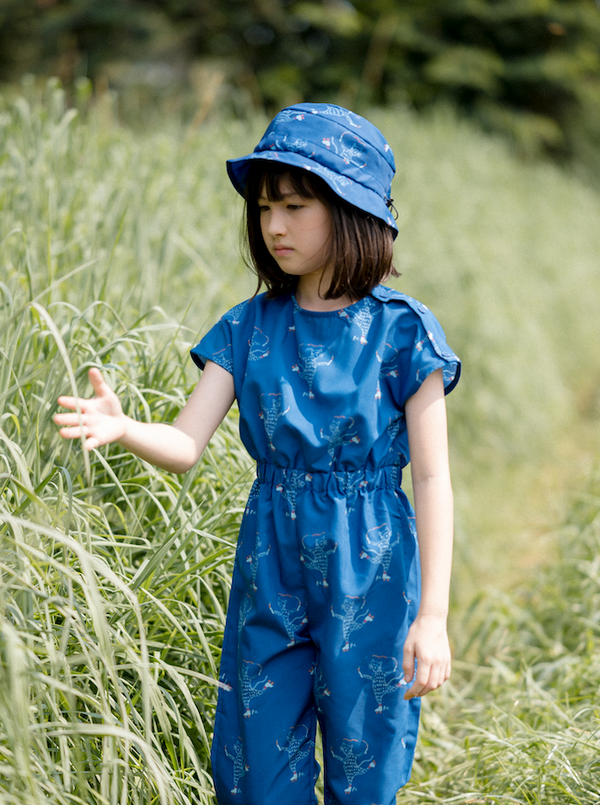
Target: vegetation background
119	247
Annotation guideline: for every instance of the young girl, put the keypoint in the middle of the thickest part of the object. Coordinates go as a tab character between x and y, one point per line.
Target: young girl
330	619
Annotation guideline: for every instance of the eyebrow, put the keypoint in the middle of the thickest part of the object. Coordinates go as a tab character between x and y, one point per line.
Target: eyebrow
283	196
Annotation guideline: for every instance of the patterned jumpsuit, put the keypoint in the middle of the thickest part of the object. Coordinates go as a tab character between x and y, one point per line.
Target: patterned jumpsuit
326	579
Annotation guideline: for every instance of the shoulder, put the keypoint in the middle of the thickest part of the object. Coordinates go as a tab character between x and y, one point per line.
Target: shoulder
411	313
252	308
391	297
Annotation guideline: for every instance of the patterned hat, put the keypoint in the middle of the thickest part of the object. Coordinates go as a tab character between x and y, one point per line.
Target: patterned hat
345	150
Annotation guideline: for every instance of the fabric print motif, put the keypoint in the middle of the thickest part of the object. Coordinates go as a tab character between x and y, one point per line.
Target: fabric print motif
222	357
271	406
252	684
353	754
361	316
294	742
233	315
258	345
350	149
337	111
310	357
320	689
379	548
292	611
245	608
340	434
252	498
236	755
350	482
393	429
293	482
338	182
253	558
316	550
353	613
383	674
389	368
286	116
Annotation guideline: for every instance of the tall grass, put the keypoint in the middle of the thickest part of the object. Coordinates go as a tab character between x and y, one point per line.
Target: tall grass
114	576
119	249
520	722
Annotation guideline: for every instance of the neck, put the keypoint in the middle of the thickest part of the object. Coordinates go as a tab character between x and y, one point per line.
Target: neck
308	296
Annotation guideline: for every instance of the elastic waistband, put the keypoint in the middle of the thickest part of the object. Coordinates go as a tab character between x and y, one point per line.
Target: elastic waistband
343	482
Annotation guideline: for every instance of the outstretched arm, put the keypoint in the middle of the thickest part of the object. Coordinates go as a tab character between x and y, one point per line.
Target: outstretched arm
174	447
427	640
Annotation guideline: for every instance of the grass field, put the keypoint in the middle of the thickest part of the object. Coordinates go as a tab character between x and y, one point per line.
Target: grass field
119	249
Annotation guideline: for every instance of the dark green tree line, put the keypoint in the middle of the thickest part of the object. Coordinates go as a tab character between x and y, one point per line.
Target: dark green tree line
528	67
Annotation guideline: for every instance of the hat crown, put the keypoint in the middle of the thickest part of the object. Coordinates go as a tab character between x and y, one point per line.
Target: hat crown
343	143
344	149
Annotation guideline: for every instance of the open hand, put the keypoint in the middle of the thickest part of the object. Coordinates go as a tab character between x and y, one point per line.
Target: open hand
427	643
101	420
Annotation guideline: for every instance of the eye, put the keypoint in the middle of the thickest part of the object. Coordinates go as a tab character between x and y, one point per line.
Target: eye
294	206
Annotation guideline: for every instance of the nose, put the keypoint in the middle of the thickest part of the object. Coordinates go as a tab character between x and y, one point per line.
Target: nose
275	225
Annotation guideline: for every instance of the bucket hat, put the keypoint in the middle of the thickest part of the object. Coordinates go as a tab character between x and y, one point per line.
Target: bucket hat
350	154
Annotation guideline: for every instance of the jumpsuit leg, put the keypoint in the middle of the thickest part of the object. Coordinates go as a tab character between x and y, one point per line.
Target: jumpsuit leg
363	594
265	727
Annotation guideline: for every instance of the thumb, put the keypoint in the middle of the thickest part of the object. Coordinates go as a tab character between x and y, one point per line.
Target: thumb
97	380
408	661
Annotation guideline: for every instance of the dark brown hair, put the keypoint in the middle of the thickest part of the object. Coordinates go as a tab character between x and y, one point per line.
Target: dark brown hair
361	248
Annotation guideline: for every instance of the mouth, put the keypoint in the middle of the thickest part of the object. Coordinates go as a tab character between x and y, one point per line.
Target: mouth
279	250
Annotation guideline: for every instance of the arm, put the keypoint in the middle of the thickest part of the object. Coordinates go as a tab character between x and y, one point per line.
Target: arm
174	447
427	640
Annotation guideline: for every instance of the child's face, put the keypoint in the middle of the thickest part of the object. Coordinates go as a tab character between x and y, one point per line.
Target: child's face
296	231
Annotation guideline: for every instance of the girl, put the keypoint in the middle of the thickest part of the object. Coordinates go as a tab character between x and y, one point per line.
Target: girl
330	619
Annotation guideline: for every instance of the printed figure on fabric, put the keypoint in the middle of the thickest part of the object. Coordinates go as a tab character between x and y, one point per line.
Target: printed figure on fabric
236	755
354	615
316	550
292	612
383	674
353	755
379	546
294	742
252	684
311	356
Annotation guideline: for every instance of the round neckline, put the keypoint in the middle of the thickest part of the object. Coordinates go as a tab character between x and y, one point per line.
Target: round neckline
336	312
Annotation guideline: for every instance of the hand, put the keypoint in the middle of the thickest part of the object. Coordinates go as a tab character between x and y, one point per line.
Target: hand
427	643
102	419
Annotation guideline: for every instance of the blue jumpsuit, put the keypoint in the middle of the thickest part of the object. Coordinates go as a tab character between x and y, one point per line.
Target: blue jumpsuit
326	578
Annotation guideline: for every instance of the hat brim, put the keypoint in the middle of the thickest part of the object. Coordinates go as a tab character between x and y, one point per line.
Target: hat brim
345	187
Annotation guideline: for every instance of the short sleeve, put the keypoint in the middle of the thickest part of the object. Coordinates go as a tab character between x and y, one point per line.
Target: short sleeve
428	351
416	348
216	346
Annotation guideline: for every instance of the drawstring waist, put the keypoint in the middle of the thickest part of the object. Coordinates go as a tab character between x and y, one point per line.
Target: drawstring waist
336	481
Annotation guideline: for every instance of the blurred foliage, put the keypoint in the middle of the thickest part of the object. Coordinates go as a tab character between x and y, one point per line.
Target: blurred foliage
529	68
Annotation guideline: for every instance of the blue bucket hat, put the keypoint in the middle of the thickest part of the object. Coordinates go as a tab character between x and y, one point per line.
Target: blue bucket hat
345	150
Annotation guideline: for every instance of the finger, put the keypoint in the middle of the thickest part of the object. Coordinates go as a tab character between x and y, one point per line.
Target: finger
72	433
421	682
436	677
96	378
69	402
408	662
67	419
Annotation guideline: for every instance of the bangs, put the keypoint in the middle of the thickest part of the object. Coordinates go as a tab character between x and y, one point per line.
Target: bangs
265	178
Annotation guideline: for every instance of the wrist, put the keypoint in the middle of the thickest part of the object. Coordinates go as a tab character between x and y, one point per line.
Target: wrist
433	615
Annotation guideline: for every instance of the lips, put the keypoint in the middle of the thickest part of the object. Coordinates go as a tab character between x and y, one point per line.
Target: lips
281	251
